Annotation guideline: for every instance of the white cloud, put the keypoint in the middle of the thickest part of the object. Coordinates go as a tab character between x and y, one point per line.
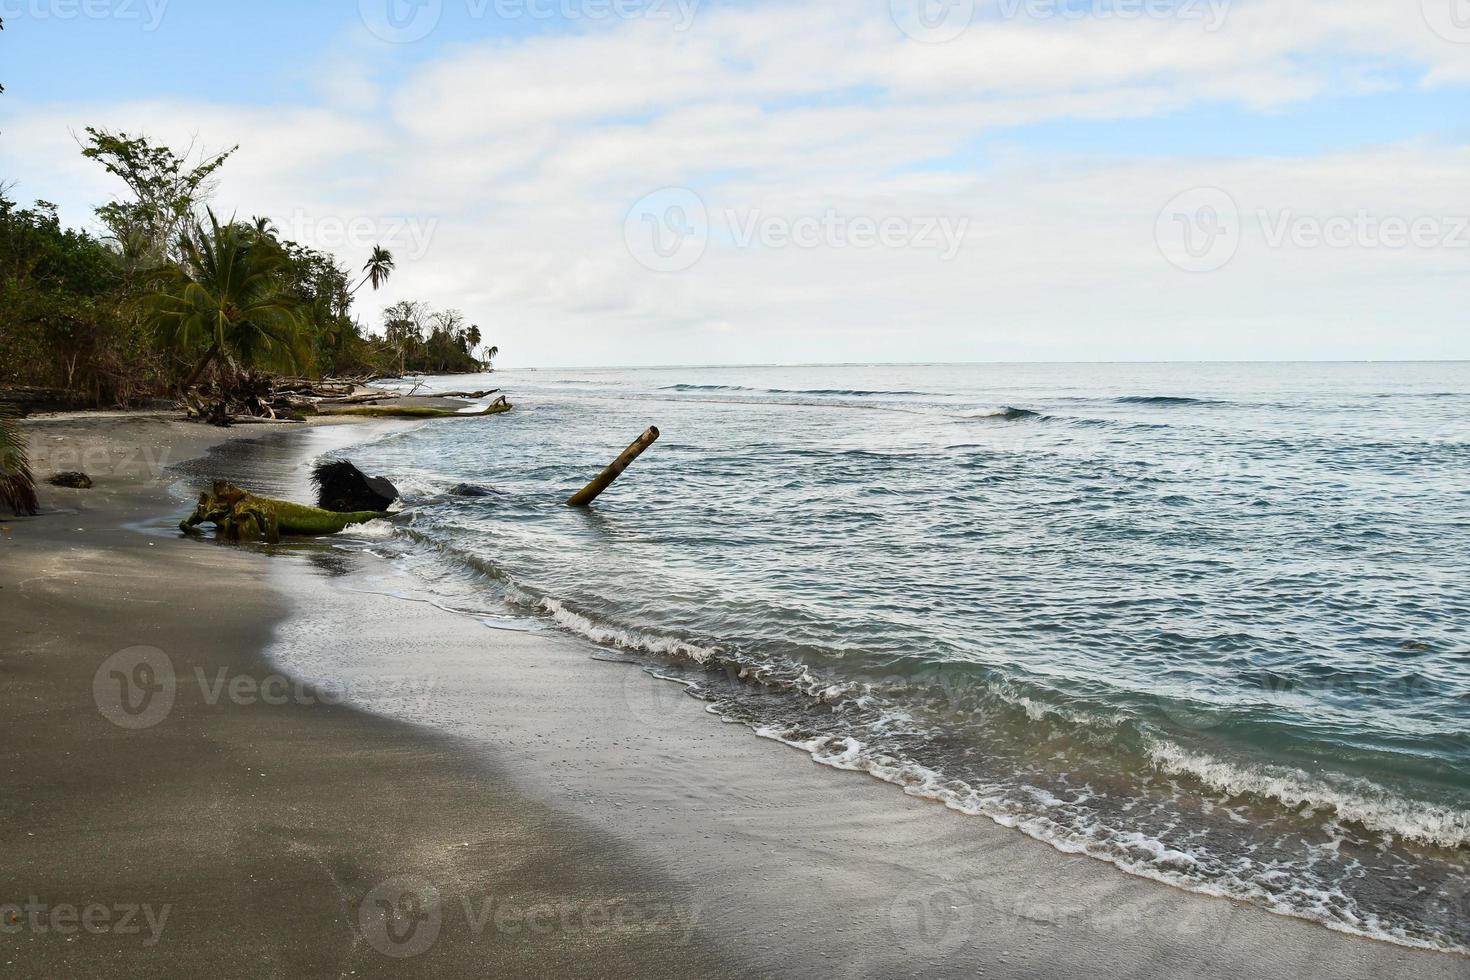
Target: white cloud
523	158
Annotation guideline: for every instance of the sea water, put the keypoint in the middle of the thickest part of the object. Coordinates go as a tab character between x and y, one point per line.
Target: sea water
1205	622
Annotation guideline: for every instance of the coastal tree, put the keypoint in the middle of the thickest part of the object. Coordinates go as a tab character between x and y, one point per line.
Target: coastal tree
166	291
424	339
378	268
64	316
225	299
167	191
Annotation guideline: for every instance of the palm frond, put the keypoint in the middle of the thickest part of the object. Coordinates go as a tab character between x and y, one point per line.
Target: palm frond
227	296
17	483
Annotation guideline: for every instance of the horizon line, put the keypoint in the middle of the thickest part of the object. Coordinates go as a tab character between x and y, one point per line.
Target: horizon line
878	364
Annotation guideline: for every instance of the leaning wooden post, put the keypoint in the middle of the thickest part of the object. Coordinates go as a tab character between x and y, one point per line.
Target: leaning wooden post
604	479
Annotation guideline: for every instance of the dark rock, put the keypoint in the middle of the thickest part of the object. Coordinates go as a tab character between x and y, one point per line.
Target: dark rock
470	490
345	489
76	481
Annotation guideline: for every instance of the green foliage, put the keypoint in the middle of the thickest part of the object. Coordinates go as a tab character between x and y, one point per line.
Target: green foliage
169	291
228	298
64	321
379	267
17	483
423	340
165	189
318	284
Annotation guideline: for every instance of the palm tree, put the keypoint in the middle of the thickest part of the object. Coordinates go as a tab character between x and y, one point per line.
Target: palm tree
379	267
472	338
17	484
263	227
490	354
226	297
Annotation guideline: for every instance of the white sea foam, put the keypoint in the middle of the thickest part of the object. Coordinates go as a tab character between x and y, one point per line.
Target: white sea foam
372	530
1368	806
1132	852
627	639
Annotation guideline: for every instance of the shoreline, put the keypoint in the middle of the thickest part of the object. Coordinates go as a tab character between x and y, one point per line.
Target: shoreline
679	810
781	842
260	826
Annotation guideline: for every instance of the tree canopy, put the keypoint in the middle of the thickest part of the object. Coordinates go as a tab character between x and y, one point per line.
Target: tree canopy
170	293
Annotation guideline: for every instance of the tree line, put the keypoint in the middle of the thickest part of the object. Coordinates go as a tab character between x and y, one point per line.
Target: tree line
169	295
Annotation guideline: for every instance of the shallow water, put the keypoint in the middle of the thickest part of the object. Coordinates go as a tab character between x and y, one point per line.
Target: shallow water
1207	622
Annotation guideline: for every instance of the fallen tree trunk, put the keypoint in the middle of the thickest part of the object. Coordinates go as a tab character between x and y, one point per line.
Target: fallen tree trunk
239	515
364	399
413	411
605	479
466	394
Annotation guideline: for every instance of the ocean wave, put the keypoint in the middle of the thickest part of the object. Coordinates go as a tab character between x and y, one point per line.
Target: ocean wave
601	633
820	392
864	723
1051	820
844	392
1165	400
1005	412
379	530
1371	807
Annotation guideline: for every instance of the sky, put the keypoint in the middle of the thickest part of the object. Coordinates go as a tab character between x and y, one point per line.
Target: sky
626	182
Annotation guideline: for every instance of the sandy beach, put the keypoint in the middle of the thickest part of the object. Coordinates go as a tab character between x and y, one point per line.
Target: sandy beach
335	776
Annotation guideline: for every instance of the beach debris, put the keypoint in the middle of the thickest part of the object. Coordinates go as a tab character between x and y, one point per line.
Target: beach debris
474	395
343	488
17	483
379	411
254	397
605	479
72	480
239	515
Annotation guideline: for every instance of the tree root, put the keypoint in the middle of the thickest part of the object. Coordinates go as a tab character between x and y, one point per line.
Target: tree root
241	516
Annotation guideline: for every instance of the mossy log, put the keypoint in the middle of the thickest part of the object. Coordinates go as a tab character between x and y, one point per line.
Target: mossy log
614	470
413	411
239	515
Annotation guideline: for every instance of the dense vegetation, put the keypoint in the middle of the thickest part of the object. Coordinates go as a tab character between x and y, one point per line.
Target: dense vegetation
171	295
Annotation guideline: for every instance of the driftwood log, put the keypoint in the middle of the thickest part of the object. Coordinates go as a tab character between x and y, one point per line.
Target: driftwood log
239	515
413	411
236	397
605	479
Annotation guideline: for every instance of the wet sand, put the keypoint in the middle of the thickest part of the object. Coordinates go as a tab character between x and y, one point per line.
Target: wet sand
807	869
253	828
378	786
